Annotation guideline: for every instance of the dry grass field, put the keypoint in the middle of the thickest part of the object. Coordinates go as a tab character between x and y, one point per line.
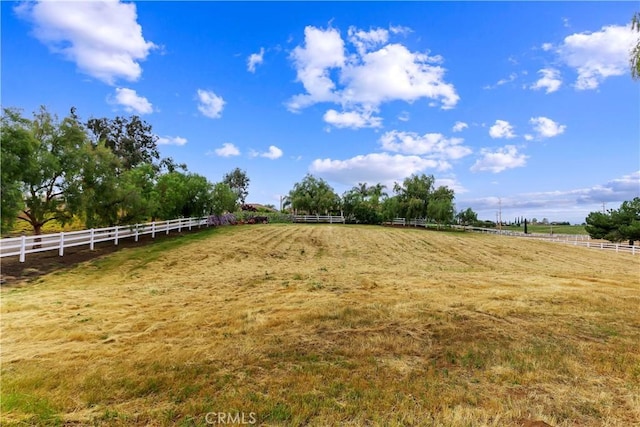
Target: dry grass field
328	325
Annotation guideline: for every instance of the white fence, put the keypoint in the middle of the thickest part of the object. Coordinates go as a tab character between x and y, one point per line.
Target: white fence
572	239
21	246
319	218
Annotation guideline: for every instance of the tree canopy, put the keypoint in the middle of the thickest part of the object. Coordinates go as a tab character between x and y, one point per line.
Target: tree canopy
53	170
238	181
313	196
616	225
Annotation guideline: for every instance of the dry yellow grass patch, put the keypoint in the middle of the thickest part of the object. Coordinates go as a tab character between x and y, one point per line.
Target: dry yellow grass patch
329	325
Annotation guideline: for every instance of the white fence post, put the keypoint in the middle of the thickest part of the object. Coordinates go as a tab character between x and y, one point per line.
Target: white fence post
91	242
61	250
617	245
190	222
23	247
116	239
136	235
153	230
180	226
166	224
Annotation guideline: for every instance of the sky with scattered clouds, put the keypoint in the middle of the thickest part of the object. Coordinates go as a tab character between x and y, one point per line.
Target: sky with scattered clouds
524	106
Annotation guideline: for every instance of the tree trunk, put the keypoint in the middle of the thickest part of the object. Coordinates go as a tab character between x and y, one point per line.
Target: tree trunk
37	230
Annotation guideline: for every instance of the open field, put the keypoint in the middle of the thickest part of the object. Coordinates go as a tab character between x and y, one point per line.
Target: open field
548	229
328	325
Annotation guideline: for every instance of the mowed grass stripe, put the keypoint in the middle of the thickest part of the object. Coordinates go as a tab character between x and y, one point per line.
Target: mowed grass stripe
327	325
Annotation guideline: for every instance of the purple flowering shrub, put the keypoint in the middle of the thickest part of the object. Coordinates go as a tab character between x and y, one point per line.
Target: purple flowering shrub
225	219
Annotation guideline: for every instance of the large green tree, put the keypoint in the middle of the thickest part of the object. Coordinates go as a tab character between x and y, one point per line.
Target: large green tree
238	181
440	206
52	167
363	203
131	139
224	199
17	144
313	196
413	195
183	195
616	225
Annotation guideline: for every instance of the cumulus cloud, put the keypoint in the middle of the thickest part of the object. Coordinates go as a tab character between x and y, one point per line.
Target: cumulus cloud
434	145
131	101
273	153
598	55
404	116
550	80
546	128
210	104
322	51
172	140
227	150
459	126
103	38
371	168
255	59
499	160
352	119
372	72
501	129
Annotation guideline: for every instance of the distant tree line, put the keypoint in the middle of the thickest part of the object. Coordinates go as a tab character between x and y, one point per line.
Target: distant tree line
415	197
105	172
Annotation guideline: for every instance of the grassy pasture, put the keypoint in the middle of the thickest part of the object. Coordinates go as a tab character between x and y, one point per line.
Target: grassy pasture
328	325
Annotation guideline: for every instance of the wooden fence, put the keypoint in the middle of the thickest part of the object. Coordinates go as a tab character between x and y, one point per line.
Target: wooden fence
21	246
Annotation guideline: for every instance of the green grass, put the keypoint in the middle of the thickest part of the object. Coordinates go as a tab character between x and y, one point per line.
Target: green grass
547	229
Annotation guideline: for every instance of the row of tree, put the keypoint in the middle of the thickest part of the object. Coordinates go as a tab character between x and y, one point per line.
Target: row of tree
415	197
616	225
105	172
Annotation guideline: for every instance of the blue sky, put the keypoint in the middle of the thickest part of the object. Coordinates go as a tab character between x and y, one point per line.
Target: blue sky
527	106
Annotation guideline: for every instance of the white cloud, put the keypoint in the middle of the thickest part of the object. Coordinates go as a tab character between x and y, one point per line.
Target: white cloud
365	41
131	101
459	126
547	46
323	50
273	153
172	140
102	38
404	116
255	59
227	150
210	105
434	145
371	168
452	183
598	55
550	80
572	204
501	82
546	128
375	73
352	119
497	161
528	137
501	129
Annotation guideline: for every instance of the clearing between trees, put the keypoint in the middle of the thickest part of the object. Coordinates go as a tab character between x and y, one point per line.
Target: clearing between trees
328	325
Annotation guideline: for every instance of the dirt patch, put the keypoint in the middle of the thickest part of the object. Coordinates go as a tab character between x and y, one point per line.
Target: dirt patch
13	272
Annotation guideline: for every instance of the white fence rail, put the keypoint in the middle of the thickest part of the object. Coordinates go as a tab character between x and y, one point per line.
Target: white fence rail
319	218
572	239
21	246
